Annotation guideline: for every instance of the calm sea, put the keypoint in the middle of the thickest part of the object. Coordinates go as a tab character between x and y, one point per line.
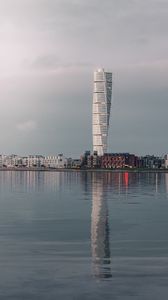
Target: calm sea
83	235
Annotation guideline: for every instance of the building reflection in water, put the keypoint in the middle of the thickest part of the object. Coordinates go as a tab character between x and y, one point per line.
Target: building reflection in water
101	260
166	182
156	183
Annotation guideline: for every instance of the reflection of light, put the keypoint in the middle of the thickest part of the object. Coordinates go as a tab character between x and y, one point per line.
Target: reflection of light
100	230
126	178
166	181
119	183
156	182
29	181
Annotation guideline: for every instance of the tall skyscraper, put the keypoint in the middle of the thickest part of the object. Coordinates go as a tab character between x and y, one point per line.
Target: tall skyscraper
102	95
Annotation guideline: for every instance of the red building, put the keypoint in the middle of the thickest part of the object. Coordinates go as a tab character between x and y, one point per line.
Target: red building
119	161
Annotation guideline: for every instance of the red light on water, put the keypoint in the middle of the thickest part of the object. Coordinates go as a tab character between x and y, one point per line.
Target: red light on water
126	178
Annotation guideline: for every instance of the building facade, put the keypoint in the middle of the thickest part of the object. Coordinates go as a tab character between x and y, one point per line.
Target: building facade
35	161
166	161
119	161
151	162
90	161
102	94
58	161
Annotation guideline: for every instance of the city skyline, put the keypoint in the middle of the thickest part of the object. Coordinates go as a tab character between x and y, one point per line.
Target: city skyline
46	90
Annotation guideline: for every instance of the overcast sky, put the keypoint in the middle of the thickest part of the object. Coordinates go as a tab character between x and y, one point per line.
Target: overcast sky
48	51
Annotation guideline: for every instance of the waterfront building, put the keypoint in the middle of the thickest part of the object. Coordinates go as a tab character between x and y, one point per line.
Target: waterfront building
109	160
151	162
58	161
90	161
93	161
10	161
102	94
76	163
50	161
35	161
24	161
84	159
166	161
61	161
112	161
119	161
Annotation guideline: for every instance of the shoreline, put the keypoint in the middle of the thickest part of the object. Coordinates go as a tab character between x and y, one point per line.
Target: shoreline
85	170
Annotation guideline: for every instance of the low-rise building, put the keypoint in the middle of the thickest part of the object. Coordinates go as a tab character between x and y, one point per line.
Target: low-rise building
58	161
61	161
112	161
150	162
119	161
35	161
90	161
10	161
166	161
76	163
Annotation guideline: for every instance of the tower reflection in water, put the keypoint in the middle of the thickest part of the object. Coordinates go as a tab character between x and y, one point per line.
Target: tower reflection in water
101	260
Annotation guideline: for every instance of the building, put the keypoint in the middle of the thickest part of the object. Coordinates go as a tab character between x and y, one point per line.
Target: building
76	163
102	94
50	161
10	161
151	162
94	161
166	161
35	161
119	161
90	161
61	161
112	161
55	162
109	161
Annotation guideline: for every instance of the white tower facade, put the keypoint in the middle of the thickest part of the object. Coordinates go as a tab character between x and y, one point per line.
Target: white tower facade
102	95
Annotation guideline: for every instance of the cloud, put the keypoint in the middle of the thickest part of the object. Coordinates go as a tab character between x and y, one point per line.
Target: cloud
48	52
52	63
27	126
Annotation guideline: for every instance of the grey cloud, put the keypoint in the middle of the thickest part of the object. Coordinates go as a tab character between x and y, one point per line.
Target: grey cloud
51	62
27	125
49	51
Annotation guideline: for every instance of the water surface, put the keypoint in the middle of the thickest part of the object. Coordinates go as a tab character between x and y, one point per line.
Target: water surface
83	235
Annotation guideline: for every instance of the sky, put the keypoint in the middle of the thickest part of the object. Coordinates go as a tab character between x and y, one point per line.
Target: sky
48	52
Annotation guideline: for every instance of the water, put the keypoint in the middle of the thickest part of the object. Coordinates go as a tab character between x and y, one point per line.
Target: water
83	235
